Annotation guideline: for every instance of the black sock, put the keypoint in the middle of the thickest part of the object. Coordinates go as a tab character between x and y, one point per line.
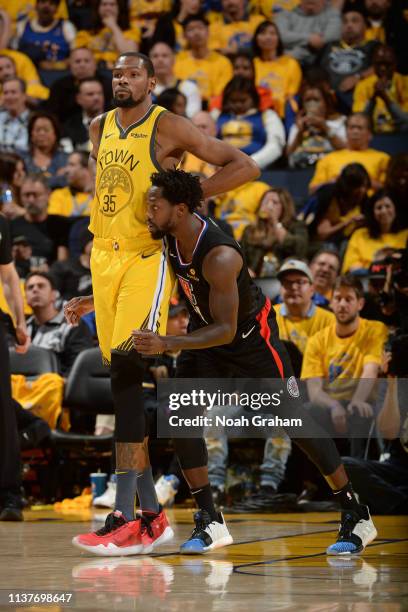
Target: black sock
347	499
204	500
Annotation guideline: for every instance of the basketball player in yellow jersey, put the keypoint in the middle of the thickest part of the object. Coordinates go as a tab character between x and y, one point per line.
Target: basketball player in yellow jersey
132	283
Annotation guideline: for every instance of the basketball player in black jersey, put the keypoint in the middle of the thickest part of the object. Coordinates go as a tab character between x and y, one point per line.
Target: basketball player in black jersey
233	333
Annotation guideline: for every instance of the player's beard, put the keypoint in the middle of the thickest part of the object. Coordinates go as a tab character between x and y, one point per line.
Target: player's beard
157	234
129	102
126	102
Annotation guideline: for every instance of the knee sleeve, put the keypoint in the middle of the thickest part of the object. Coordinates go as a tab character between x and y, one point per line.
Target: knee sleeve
127	372
191	452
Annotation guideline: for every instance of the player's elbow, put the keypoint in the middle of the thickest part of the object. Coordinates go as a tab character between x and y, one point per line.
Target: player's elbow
253	169
230	331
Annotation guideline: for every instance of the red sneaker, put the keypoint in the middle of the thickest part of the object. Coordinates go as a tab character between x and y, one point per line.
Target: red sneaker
155	531
117	538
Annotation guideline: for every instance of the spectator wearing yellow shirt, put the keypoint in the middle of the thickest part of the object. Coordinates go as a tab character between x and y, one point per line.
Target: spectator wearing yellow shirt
110	35
280	73
342	361
163	59
384	95
74	200
359	132
298	318
377	11
384	229
182	9
243	66
190	163
268	7
235	30
143	14
16	64
210	70
238	207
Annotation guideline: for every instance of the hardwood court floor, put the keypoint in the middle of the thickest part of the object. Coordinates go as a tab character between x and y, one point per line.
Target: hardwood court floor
277	562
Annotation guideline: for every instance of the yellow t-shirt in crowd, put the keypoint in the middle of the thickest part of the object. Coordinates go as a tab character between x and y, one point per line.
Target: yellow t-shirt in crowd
235	35
139	9
299	329
27	71
238	207
338	360
68	204
397	92
268	7
375	32
102	44
211	73
330	166
4	305
191	163
361	248
21	9
282	76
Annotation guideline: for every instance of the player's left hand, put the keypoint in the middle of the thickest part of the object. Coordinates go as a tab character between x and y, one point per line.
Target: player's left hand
147	342
362	408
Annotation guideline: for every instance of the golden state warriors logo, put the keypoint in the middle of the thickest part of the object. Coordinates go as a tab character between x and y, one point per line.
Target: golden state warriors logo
115	185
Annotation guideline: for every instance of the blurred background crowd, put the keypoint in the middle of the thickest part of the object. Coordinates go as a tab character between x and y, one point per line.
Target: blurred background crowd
316	92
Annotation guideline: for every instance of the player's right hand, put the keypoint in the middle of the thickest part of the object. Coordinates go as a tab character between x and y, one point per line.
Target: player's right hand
77	307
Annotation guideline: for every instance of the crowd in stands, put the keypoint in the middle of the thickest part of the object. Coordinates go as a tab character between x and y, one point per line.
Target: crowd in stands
315	88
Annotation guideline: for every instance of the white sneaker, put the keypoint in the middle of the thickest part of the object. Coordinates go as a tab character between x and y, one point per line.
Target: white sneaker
166	489
207	535
355	533
107	499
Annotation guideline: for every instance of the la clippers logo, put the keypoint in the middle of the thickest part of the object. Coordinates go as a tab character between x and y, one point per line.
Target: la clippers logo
292	386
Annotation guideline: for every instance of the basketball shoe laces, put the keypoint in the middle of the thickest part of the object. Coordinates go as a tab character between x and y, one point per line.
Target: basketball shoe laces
202	519
112	522
348	521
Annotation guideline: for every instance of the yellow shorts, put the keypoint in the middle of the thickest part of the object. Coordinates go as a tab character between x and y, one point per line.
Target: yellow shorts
132	290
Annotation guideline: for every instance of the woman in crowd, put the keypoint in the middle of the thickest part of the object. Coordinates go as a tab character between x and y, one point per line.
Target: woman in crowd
243	66
12	173
241	123
44	155
338	208
384	228
173	100
280	73
110	35
318	129
275	235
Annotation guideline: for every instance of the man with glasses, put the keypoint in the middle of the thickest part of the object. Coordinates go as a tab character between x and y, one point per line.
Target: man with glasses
298	317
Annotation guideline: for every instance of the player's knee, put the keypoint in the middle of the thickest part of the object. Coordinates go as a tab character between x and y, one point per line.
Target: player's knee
191	453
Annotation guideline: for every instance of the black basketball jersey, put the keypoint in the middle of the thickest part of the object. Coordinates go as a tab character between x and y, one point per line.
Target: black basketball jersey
197	290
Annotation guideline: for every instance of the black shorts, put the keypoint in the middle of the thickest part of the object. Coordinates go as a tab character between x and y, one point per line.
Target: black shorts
255	352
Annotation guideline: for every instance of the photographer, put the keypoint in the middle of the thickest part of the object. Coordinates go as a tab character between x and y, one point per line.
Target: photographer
388	289
384	484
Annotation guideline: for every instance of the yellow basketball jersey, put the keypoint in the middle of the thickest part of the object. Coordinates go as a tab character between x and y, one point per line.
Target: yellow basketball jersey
125	162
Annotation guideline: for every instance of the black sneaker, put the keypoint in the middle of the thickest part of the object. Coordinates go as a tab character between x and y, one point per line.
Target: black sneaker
11	507
266	500
355	532
207	534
